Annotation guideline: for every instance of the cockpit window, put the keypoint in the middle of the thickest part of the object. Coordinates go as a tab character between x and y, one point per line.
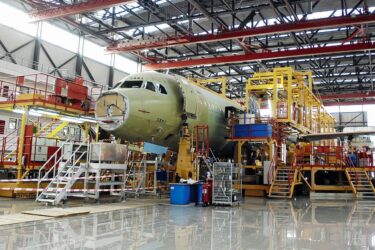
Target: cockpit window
117	84
162	89
150	86
132	84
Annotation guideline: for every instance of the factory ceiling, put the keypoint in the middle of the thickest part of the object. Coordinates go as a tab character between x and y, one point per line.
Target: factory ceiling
234	38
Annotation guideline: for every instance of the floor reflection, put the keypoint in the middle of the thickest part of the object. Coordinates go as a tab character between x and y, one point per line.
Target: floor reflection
256	224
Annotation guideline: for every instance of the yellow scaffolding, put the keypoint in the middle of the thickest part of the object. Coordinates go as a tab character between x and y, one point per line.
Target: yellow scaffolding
221	81
292	99
285	99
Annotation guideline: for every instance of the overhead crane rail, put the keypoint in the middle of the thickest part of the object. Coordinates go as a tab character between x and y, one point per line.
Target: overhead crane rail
72	9
162	42
253	57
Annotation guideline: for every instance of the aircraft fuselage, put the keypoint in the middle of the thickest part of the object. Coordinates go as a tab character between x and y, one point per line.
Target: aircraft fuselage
151	107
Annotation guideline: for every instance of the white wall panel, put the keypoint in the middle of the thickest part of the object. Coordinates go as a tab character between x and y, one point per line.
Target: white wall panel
13	38
98	70
58	54
25	55
44	64
118	75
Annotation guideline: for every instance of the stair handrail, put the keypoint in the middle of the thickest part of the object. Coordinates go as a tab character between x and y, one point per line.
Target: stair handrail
9	135
213	155
5	142
290	177
9	144
70	179
14	131
57	161
351	165
3	150
143	175
208	164
46	127
271	170
72	156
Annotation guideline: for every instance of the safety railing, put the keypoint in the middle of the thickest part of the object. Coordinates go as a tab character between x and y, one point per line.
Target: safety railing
36	150
291	175
329	156
49	89
66	157
201	140
54	160
41	148
272	171
35	65
9	146
361	159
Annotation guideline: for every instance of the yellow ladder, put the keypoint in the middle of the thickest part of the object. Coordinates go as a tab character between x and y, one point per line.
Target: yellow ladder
283	182
360	183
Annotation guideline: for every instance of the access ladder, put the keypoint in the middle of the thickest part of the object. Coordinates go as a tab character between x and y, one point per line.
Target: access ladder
283	182
361	184
69	169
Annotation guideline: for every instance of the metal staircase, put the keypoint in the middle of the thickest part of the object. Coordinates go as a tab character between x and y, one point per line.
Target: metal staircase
202	161
51	129
136	176
69	168
201	140
283	182
361	184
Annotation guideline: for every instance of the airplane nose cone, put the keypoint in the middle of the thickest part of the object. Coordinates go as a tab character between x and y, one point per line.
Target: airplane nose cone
111	110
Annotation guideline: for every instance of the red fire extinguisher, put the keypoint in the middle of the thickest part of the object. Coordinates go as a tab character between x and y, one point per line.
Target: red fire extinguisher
207	193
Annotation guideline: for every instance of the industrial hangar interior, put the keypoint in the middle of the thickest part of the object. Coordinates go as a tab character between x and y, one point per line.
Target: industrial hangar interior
196	124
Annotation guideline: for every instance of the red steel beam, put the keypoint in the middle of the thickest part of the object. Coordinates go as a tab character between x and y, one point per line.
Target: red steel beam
236	34
348	103
72	9
349	96
262	56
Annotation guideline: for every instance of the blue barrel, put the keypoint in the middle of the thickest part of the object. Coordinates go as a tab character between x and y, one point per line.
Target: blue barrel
180	193
199	193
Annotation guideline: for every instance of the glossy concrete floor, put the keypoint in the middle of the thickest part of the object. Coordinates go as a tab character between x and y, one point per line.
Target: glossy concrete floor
255	224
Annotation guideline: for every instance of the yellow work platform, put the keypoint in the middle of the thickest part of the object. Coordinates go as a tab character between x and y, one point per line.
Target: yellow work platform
43	103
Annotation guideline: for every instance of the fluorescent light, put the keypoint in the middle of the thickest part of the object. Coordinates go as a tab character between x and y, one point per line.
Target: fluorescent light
84	119
43	112
71	119
33	113
18	111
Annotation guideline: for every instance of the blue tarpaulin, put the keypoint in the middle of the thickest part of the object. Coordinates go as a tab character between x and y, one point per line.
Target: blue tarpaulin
154	149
